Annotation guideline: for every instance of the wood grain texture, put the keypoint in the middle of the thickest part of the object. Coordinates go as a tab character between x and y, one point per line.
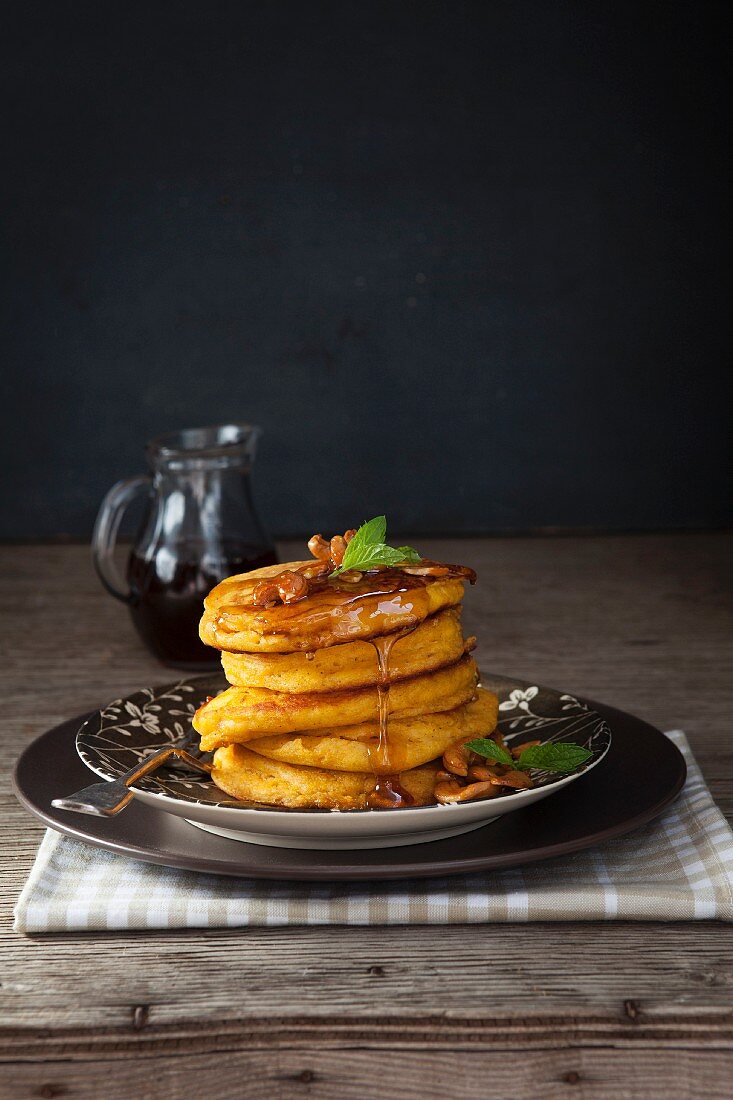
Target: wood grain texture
593	1010
325	1074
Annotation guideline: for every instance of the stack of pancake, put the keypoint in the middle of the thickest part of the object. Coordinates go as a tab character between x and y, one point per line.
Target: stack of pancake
345	698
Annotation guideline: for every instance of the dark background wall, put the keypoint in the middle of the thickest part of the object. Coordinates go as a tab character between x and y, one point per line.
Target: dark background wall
463	262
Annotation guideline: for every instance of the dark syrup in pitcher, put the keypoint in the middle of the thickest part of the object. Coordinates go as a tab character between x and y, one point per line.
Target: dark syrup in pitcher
166	601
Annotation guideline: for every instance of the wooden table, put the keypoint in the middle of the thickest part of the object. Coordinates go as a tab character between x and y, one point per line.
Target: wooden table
541	1011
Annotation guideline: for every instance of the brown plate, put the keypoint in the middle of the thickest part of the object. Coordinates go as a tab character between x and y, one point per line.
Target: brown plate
611	800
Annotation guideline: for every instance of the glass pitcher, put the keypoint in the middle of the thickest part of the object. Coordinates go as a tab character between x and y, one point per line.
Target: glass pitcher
200	526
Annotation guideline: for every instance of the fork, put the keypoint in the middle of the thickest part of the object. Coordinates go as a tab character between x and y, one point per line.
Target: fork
108	798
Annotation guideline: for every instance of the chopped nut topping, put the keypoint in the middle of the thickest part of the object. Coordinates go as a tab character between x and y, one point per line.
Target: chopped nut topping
319	548
454	792
286	587
338	549
315	570
333	551
517	750
292	585
447	790
455	759
520	781
427	569
467	775
481	772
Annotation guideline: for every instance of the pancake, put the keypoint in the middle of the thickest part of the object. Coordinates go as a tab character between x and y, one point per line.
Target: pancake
242	714
334	612
436	642
412	741
253	778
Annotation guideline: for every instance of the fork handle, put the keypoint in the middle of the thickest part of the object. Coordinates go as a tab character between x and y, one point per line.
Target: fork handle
107	799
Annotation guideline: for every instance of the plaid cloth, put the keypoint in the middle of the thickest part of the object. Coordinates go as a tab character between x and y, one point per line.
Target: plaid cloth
679	867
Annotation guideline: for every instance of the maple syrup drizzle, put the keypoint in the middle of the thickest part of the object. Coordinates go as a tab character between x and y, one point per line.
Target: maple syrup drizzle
388	793
333	608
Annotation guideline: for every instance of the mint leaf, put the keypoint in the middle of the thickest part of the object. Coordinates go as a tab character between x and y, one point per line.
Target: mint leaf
389	556
485	747
369	536
374	531
370	557
368	550
562	757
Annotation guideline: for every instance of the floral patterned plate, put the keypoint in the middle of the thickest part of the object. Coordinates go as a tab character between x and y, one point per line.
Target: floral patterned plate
127	730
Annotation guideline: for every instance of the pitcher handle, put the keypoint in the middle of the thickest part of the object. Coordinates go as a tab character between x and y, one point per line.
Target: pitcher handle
106	527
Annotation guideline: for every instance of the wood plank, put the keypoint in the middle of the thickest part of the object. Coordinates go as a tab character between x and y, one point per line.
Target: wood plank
358	1074
632	1029
74	980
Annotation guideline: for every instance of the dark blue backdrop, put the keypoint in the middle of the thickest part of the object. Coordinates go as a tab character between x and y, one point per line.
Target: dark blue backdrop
463	262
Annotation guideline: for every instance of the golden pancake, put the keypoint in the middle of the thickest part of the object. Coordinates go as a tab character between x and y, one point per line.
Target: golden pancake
334	612
242	714
436	642
253	778
412	741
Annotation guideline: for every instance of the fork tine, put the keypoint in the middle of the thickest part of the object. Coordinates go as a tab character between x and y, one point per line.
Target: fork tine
100	799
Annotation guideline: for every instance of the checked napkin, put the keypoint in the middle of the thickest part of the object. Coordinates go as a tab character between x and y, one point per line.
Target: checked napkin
679	867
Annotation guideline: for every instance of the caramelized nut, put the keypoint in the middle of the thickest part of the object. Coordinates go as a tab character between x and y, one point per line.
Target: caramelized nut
455	759
291	586
319	548
517	750
338	549
520	781
286	587
265	594
315	569
447	793
481	772
331	551
447	790
427	569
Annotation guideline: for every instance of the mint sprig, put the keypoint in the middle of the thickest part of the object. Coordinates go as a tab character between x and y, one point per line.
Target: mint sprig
554	756
491	751
368	550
